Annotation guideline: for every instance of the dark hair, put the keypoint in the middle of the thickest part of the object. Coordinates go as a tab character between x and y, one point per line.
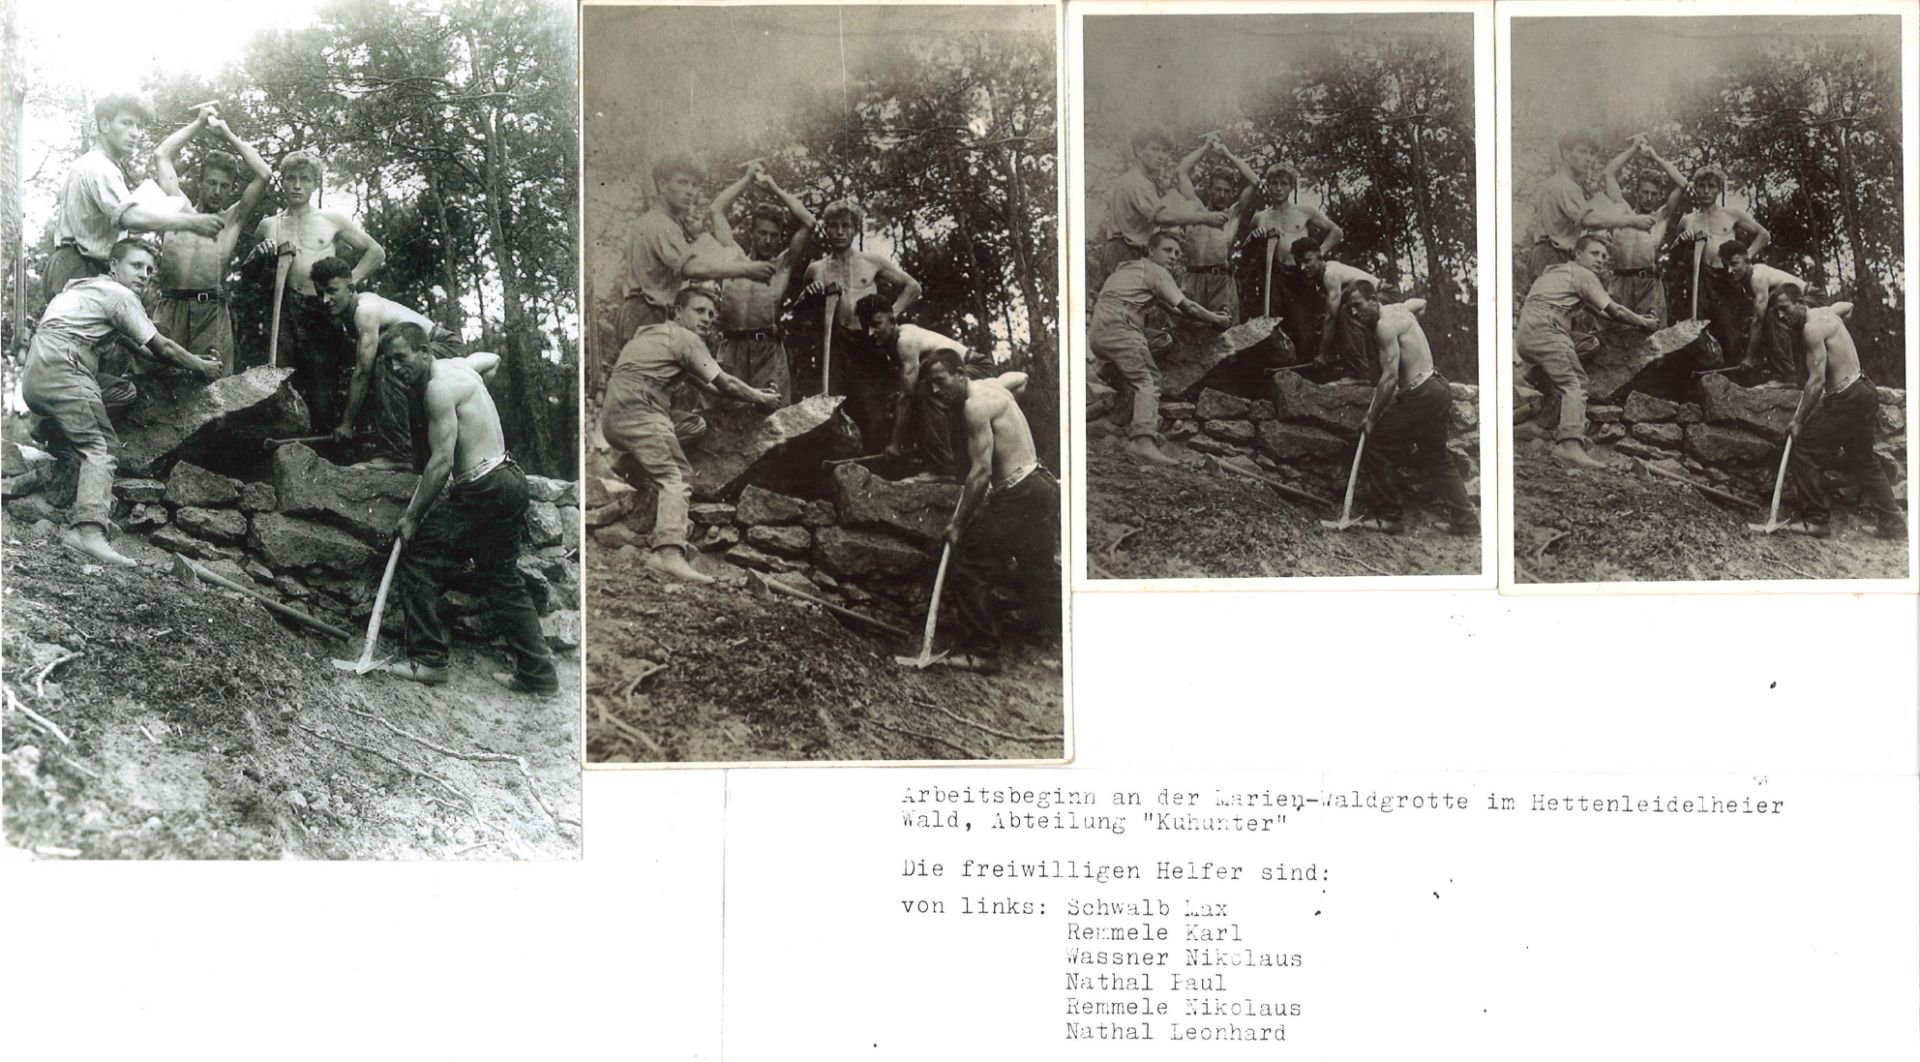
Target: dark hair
769	212
1569	141
1166	234
1730	250
690	292
946	357
222	161
111	107
1304	246
126	245
410	331
1228	176
1364	287
326	269
674	165
1146	137
869	305
1587	238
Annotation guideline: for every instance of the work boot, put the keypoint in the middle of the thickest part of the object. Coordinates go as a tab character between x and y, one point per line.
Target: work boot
1465	524
414	671
1801	525
1143	449
1384	524
521	685
672	561
89	540
1892	528
1573	453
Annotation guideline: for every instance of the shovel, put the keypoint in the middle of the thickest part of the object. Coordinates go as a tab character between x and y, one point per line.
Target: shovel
1773	515
366	662
1346	512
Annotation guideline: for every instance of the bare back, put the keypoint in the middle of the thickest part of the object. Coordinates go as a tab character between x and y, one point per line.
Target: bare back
1398	326
457	391
382	313
1828	344
991	408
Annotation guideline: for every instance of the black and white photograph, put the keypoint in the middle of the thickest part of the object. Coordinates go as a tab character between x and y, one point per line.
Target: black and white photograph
291	534
823	467
1709	339
1281	315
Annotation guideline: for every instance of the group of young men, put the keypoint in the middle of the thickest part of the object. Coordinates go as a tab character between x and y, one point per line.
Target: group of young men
433	412
1170	249
1599	257
704	320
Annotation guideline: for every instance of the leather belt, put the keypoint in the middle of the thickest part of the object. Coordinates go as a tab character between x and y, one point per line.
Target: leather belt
1211	270
481	470
1646	272
194	294
753	334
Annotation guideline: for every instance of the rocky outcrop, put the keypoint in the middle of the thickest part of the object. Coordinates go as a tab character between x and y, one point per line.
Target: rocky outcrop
220	425
919	510
363	502
746	448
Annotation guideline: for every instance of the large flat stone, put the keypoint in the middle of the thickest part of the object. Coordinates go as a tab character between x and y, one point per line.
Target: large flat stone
1646	409
192	485
787	446
786	541
221	526
1657	364
849	554
221	425
367	503
1190	366
1763	410
1718	445
921	510
1287	443
292	543
1336	407
760	506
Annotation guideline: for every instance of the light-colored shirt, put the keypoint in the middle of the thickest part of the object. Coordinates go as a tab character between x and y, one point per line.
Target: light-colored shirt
657	255
1557	210
658	355
1132	201
1565	285
92	202
1130	290
83	318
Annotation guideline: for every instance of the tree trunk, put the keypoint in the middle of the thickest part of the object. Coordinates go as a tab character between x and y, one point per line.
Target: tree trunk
451	315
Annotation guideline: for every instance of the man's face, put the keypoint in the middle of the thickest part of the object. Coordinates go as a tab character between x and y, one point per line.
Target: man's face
698	315
883	327
1648	195
1580	158
1706	190
135	270
1592	255
1361	308
1281	184
1220	193
948	387
120	134
767	238
298	184
679	192
1166	252
339	295
1311	264
1154	158
841	229
1789	310
1739	267
411	367
216	189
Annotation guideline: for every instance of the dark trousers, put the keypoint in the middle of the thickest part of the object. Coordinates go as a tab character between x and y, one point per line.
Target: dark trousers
1413	430
1301	304
67	264
1012	542
482	522
867	377
314	345
1729	308
1839	434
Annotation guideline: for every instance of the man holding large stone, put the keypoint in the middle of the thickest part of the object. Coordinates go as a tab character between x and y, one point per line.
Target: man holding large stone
193	268
62	383
1834	421
482	518
636	419
96	210
1007	526
1407	420
1543	337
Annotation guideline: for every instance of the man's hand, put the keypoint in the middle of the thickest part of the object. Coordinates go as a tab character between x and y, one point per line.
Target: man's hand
1366	424
893	451
409	526
206	225
1218	320
1647	323
209	368
344	432
820	288
770	399
1216	218
758	272
953	533
1793	427
1643	222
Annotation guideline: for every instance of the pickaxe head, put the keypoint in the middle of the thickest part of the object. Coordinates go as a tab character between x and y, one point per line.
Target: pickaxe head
183	571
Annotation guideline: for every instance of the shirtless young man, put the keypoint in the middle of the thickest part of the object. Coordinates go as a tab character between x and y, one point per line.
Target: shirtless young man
1297	297
62	384
400	441
917	415
1331	278
751	347
1408	418
1117	335
1009	512
1761	280
1722	297
311	340
636	418
1543	337
863	375
1834	422
96	210
1136	207
481	518
1209	248
1635	255
193	268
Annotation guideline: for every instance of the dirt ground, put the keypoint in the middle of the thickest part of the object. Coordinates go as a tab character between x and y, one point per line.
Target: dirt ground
201	727
1609	526
685	674
1189	523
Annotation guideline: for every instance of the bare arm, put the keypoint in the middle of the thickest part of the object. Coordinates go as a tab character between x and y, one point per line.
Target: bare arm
167	156
1612	173
1014	382
1761	237
1415	306
1814	338
723	202
1615	216
166	350
143	218
1334	232
483	362
1168	214
903	405
1192	309
443	434
372	255
366	321
733	387
979	470
262	173
1388	336
909	287
698	268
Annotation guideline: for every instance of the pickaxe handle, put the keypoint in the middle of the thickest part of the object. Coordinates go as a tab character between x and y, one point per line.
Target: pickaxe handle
380	603
281	267
1699	252
1266	280
1779	481
1353	477
826	349
933	607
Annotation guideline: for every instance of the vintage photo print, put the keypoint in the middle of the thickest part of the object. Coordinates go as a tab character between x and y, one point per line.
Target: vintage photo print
823	471
1709	325
1279	228
291	430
